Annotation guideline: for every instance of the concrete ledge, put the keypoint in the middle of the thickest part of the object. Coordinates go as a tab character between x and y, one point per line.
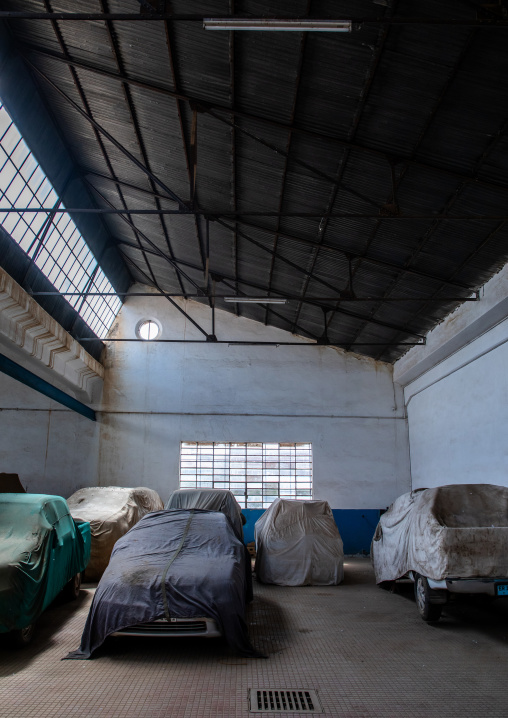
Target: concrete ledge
31	337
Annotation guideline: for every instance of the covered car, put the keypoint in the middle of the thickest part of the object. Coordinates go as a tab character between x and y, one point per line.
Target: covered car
111	512
176	572
211	500
449	539
42	552
298	544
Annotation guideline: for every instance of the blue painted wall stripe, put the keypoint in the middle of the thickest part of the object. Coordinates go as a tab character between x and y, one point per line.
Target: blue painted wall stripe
356	527
16	371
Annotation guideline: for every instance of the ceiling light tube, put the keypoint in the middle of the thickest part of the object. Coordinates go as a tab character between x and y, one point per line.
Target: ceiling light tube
277	25
256	300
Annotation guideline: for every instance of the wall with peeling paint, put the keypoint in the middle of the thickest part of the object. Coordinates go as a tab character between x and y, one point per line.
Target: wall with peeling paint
157	395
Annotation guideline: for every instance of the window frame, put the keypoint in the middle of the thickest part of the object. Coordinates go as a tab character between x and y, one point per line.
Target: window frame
256	472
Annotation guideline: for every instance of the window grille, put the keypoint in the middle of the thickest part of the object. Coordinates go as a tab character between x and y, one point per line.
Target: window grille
255	473
52	241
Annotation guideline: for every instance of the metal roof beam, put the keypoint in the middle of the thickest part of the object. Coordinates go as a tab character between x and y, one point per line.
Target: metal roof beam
167	296
262	288
345	158
156	249
286	162
137	130
357	21
207	106
110	137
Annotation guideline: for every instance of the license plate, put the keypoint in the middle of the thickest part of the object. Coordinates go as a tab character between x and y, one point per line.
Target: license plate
502	589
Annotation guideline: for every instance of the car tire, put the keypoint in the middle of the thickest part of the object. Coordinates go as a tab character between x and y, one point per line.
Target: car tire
430	612
71	589
23	636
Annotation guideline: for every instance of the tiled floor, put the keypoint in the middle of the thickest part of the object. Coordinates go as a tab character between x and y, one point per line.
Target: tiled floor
364	650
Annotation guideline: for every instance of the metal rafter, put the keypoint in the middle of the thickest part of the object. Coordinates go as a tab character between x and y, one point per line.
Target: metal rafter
358	21
488	149
83	99
232	80
137	130
155	284
396	183
176	84
156	249
458	269
288	297
301	56
106	134
344	159
231	215
264	289
207	106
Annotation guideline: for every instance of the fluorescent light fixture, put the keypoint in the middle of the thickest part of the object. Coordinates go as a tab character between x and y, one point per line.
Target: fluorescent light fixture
256	300
277	25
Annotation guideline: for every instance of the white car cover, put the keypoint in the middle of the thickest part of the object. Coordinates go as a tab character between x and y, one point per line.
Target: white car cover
298	544
111	511
457	531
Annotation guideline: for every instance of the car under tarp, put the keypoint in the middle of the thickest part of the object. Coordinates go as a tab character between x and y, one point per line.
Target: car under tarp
174	563
111	512
459	530
298	544
41	549
210	500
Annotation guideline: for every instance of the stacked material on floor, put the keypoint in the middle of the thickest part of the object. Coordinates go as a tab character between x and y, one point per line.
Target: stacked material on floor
111	512
458	531
298	544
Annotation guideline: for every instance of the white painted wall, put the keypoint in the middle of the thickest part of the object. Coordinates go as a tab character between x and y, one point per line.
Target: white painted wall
157	395
456	392
54	450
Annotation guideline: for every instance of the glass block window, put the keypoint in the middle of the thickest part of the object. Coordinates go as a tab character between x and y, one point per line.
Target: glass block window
52	241
256	474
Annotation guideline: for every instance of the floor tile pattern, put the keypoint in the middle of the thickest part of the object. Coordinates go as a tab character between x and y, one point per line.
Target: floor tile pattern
363	649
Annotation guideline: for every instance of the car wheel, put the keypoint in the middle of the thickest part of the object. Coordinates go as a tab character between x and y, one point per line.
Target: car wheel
23	636
71	589
430	612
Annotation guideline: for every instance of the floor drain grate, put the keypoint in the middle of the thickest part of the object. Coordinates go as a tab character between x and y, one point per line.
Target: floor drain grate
285	700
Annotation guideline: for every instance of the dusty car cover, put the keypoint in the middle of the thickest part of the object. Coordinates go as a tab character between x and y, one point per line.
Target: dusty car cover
298	544
210	500
457	531
111	511
175	563
41	549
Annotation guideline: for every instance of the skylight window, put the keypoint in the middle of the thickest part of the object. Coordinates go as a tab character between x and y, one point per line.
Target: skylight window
52	241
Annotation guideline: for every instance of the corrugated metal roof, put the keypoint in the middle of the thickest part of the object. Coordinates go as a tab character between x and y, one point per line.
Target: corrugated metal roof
392	126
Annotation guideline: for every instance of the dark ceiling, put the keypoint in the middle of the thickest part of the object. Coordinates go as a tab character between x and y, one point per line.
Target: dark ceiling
363	175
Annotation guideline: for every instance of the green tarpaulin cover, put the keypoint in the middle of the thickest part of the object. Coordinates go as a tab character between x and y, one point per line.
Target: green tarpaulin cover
41	549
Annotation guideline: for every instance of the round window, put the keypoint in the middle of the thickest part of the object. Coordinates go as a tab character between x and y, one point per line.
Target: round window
148	330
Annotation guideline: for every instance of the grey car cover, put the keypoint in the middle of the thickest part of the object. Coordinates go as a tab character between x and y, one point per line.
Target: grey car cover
173	563
457	531
210	500
298	544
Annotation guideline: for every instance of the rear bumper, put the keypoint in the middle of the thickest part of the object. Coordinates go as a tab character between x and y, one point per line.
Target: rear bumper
486	586
175	628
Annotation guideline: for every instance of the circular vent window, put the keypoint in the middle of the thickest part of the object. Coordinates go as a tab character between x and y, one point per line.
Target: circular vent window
148	330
